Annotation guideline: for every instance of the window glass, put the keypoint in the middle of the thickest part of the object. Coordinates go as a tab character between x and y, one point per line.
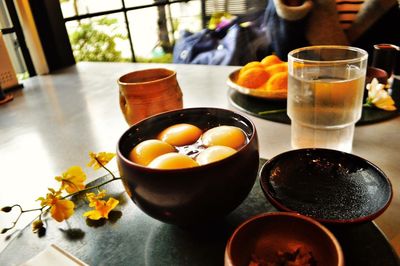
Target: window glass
15	54
72	8
153	30
5	21
151	39
135	3
186	16
102	38
144	32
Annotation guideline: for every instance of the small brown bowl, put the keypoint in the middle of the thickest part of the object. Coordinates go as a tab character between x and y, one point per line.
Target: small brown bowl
194	195
278	237
378	73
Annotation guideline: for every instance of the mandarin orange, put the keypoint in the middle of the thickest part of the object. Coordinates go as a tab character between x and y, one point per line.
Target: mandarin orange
250	65
270	60
278	82
281	67
253	78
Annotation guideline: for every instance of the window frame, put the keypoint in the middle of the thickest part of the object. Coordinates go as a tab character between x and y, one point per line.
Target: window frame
17	30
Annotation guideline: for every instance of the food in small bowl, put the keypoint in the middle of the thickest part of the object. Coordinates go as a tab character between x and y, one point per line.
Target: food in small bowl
189	166
267	78
373	72
280	238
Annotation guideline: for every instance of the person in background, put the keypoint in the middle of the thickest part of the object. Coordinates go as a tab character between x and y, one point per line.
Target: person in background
292	24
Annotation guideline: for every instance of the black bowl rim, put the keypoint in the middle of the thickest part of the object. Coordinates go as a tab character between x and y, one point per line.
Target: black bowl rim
189	169
280	206
296	217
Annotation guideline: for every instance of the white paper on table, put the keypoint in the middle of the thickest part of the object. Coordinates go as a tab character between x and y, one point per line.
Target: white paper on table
54	255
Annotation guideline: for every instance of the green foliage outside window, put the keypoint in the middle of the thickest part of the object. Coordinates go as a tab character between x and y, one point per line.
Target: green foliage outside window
89	43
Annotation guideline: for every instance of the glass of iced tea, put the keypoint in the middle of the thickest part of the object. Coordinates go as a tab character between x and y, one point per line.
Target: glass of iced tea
325	94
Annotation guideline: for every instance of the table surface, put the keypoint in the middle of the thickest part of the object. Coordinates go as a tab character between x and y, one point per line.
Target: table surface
56	120
130	237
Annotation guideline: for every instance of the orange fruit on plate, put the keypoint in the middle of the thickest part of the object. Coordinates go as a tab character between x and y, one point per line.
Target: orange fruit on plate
270	60
281	67
278	82
253	78
250	65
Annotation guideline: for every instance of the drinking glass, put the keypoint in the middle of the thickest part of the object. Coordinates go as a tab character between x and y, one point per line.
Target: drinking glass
325	95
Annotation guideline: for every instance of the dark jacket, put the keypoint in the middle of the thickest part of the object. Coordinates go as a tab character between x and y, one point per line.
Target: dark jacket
316	22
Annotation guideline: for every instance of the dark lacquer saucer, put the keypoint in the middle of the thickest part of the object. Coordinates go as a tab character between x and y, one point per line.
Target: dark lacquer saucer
327	185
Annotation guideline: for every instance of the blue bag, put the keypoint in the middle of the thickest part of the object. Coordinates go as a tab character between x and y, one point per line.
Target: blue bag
235	44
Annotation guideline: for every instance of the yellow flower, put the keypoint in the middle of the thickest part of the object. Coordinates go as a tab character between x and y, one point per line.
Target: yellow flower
60	209
378	96
385	103
101	207
72	180
94	199
100	159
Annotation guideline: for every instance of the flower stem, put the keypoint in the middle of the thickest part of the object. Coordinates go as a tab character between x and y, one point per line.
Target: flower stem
111	173
32	210
92	187
21	211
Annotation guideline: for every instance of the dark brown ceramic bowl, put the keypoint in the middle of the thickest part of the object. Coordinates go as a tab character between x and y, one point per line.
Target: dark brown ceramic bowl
276	237
378	73
192	195
328	185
